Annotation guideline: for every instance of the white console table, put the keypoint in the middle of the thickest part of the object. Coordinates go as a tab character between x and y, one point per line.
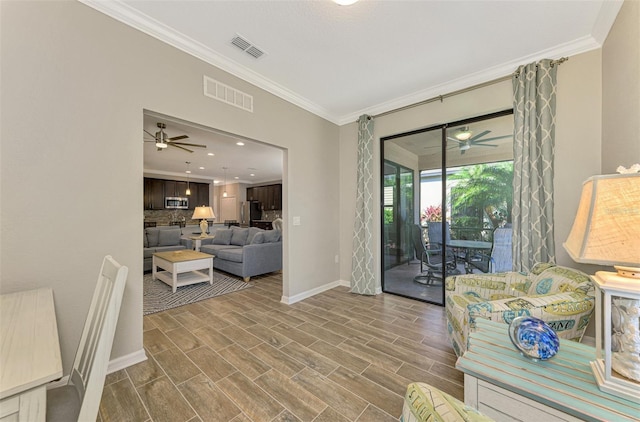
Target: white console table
506	386
29	354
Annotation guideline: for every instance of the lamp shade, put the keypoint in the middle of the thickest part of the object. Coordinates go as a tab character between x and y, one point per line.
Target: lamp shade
202	213
606	229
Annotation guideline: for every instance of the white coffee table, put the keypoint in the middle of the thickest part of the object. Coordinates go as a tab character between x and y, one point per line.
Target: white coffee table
182	268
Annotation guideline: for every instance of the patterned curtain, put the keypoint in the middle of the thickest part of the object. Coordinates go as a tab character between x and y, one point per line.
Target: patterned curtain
362	273
534	110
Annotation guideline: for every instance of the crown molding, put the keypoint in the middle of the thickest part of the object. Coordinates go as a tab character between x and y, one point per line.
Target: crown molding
606	18
580	45
126	14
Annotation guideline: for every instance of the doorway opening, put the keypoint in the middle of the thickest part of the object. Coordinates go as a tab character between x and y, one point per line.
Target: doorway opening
212	168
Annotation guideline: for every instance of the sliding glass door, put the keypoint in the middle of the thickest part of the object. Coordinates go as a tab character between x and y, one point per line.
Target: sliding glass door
440	224
397	214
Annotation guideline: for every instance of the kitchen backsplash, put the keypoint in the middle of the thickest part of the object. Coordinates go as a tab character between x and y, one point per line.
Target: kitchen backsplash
166	217
271	215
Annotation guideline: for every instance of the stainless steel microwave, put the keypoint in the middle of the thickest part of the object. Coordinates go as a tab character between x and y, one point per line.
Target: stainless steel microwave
175	202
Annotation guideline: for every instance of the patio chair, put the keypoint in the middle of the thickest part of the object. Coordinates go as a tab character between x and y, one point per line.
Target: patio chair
432	256
500	259
79	399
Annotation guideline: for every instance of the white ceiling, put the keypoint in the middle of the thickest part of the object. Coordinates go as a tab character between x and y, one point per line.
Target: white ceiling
373	56
343	61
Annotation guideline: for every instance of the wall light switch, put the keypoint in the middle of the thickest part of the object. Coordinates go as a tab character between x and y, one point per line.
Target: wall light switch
296	221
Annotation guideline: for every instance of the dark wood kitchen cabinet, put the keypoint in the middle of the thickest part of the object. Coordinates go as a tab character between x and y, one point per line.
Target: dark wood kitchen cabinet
175	188
270	196
153	194
199	195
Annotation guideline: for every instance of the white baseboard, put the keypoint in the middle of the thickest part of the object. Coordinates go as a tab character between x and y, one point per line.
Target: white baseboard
304	295
126	361
114	365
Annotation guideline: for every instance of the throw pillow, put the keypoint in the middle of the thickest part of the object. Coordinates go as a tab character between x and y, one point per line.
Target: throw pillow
168	237
271	236
258	238
252	232
239	236
222	237
152	236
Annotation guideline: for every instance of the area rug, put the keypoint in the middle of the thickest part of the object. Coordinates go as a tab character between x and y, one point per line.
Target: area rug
158	296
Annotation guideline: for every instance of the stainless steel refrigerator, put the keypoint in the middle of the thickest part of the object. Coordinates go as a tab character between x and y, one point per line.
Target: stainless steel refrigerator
250	211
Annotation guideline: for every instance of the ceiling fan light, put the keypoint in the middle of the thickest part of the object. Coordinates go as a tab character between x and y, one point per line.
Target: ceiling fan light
463	135
465	146
161	144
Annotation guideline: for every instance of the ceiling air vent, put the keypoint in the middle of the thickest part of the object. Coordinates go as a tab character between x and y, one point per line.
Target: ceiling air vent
226	94
247	47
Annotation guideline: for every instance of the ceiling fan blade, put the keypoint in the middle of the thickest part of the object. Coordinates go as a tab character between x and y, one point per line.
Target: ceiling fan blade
479	135
149	133
485	145
178	146
492	139
176	138
187	144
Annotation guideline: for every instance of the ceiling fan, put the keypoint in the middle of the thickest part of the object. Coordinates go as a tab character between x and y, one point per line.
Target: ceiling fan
163	141
465	139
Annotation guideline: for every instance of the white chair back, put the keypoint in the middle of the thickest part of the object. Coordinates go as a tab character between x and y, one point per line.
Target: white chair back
277	224
92	358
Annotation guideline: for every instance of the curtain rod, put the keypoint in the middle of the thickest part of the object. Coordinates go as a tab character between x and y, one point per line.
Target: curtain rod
461	91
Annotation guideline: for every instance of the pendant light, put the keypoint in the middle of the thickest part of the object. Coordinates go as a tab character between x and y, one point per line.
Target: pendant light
188	192
224	193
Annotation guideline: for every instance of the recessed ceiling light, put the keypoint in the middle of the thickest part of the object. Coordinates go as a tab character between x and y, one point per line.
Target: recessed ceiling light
236	177
211	154
240	143
216	181
188	171
252	175
344	2
201	168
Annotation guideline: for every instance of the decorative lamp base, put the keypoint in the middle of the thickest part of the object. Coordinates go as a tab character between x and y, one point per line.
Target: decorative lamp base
616	386
204	226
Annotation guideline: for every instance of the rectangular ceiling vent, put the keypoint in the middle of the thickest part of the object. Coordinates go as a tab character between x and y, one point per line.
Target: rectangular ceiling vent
244	45
226	94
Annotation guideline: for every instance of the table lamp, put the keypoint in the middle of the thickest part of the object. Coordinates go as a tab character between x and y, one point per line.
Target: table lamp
606	231
203	212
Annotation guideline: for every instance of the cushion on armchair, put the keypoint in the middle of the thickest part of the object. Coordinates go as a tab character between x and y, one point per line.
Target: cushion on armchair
424	403
563	297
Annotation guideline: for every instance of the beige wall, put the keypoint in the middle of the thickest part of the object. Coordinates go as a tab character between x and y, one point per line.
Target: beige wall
577	141
621	90
74	86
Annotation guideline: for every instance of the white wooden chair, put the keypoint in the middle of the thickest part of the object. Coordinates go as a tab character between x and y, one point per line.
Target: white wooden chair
277	224
79	399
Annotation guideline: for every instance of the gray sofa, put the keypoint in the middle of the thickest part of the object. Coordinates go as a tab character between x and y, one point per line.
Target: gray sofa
245	252
162	239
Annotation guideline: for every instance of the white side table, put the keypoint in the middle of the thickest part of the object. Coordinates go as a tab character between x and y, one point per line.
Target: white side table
197	241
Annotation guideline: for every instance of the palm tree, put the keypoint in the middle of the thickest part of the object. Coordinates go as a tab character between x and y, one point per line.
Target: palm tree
486	187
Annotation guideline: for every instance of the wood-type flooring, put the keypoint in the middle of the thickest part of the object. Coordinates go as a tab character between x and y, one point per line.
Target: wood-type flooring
245	356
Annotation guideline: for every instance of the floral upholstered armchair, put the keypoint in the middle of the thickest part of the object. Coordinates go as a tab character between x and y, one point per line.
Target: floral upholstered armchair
562	297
